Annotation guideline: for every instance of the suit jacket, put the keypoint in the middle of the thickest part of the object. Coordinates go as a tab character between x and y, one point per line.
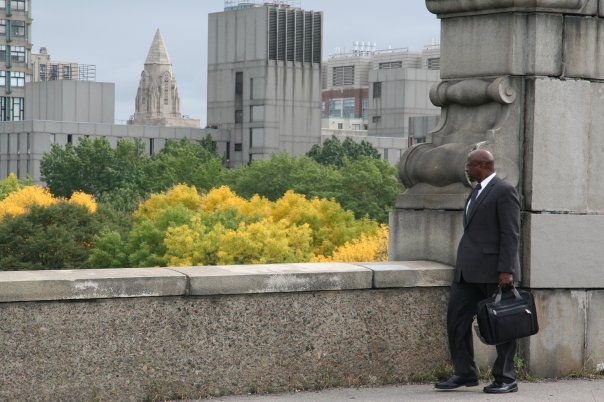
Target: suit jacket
490	242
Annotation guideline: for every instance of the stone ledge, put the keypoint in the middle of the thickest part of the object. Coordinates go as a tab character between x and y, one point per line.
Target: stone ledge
90	284
463	7
19	286
405	274
275	278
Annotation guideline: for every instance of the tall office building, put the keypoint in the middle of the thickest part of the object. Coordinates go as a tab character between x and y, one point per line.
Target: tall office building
264	72
15	49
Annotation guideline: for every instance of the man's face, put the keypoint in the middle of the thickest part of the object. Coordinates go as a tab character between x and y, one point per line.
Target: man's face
473	169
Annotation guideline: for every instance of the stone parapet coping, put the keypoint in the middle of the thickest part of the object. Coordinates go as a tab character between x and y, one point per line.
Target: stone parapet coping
19	286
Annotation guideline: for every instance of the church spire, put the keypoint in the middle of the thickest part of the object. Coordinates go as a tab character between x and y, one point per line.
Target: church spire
157	100
157	52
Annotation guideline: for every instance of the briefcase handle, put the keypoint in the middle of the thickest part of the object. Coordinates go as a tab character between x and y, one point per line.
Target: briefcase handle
499	293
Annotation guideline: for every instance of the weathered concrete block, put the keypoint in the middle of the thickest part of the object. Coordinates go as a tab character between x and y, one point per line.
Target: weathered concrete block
557	350
425	235
501	44
564	146
464	7
272	278
90	284
584	47
563	251
594	345
404	274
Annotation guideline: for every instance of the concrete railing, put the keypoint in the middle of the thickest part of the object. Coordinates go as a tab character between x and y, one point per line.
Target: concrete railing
161	333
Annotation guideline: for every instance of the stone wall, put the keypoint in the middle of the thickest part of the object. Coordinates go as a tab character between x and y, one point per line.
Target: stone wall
156	334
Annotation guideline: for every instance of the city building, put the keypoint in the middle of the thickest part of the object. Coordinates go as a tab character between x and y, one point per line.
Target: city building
157	99
15	51
264	78
45	69
376	95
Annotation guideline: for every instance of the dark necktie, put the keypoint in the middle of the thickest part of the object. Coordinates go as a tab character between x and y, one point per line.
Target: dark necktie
473	198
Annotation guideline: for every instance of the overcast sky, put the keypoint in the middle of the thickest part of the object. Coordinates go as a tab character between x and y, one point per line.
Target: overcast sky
115	35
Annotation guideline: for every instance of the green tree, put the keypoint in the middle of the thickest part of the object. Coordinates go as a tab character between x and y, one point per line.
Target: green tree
59	236
186	162
89	166
281	172
368	188
335	152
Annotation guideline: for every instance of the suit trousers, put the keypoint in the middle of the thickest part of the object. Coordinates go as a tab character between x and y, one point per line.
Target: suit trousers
463	301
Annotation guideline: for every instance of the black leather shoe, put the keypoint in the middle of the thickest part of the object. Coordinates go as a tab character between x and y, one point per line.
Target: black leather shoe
497	387
456	382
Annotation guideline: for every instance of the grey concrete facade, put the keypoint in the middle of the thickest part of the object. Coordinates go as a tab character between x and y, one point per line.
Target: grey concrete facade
262	86
23	143
70	101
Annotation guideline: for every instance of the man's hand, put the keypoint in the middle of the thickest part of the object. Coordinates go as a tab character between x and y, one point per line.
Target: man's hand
506	280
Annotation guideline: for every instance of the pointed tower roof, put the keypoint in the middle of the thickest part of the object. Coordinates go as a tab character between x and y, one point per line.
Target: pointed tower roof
158	53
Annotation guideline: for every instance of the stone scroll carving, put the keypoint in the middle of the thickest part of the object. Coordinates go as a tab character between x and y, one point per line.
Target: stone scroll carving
475	113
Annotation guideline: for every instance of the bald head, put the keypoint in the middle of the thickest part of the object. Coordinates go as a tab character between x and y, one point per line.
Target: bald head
480	165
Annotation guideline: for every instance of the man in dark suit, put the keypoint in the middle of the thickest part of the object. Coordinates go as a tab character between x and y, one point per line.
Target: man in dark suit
487	257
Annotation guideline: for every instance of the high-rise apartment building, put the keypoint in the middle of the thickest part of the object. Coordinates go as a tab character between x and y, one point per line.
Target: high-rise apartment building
264	72
15	49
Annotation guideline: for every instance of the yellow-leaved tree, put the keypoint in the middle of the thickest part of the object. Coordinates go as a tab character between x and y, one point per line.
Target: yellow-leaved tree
20	201
182	227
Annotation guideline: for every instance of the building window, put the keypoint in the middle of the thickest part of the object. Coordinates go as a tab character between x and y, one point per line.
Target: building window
3	53
2	4
364	108
390	64
251	138
70	138
42	72
151	146
342	76
323	114
17	28
17	5
17	79
17	54
238	116
348	111
433	63
335	108
376	119
166	90
377	90
340	126
239	83
2	78
238	147
16	107
251	88
54	71
2	27
66	72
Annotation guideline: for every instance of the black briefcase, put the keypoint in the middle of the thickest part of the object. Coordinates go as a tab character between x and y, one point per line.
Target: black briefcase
507	315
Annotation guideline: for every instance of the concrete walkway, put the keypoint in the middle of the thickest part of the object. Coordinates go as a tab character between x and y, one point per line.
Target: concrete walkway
551	390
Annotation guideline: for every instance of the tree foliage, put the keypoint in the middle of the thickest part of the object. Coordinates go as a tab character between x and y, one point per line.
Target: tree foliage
57	236
334	152
183	227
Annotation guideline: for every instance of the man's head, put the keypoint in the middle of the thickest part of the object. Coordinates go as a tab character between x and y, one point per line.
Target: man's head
480	165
